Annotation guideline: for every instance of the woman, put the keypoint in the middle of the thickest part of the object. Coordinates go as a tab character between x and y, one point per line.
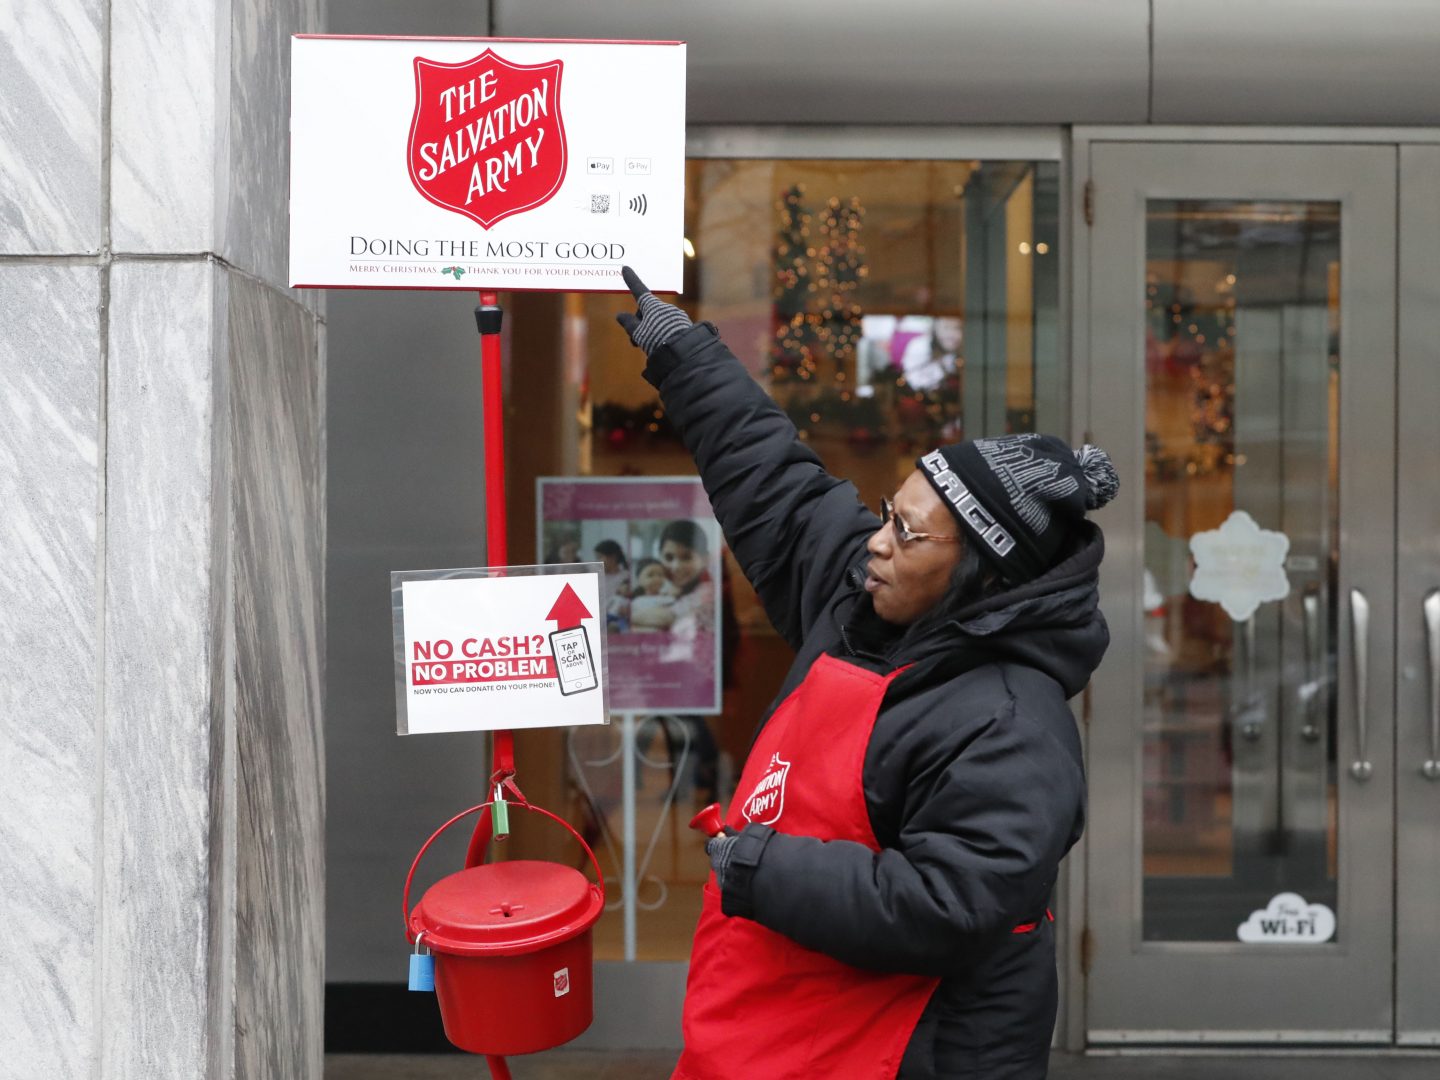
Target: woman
684	551
878	907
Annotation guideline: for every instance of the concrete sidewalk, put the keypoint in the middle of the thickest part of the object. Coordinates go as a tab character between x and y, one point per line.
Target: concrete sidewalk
592	1065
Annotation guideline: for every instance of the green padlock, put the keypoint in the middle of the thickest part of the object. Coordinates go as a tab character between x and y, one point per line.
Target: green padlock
500	815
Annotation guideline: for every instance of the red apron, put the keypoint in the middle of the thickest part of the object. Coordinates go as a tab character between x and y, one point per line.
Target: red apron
757	1005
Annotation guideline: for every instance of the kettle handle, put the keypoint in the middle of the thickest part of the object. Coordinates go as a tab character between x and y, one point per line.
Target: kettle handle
410	877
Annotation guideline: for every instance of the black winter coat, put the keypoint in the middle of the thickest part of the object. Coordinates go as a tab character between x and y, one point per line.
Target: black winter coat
973	776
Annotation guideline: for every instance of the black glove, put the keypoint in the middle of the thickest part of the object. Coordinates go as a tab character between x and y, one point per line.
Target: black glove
720	848
656	322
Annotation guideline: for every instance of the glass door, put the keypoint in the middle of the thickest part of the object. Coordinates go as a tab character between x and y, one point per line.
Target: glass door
1242	375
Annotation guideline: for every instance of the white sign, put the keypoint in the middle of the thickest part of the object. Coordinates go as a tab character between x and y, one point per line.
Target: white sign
1239	566
1289	920
470	163
486	649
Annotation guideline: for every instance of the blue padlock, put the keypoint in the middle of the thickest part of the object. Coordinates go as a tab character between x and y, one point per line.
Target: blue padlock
422	968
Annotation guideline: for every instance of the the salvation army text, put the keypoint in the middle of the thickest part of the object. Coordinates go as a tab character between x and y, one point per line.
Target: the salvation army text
491	124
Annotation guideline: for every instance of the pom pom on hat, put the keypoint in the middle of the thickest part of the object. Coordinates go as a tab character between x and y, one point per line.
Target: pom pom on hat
1100	476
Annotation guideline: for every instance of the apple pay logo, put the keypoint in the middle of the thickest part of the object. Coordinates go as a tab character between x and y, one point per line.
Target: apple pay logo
602	166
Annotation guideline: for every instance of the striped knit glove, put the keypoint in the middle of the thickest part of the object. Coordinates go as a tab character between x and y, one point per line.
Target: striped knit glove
655	322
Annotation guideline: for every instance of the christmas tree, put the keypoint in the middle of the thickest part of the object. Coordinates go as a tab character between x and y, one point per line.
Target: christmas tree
840	264
817	321
791	352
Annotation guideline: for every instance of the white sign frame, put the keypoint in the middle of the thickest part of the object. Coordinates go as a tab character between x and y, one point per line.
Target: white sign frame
483	681
375	127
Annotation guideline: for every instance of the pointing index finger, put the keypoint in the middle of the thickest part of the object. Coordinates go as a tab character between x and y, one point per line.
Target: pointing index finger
632	281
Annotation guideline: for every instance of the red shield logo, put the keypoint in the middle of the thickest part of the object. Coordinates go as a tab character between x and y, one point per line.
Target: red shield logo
487	140
767	801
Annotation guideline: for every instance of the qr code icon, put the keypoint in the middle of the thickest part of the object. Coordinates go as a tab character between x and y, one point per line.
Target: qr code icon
599	204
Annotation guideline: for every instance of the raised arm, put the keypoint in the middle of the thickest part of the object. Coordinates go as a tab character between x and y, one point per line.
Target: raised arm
793	527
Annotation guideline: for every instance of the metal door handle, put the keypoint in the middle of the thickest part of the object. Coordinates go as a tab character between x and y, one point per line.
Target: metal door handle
1310	604
1361	768
1431	768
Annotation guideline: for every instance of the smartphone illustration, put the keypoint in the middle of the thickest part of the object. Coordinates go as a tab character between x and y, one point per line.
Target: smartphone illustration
573	661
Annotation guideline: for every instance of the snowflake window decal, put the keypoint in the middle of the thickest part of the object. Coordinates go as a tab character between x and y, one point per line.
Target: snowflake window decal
1239	566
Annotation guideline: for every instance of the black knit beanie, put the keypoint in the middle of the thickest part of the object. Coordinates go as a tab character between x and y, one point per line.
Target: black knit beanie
1019	496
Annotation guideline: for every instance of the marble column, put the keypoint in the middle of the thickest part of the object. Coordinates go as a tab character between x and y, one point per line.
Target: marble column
50	724
161	549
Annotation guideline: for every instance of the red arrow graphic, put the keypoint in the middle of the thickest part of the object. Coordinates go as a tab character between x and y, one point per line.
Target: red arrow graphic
569	609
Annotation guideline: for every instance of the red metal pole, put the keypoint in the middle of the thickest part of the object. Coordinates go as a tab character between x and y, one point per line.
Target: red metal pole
488	317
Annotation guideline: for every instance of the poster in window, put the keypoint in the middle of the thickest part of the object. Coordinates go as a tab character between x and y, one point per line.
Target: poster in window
659	546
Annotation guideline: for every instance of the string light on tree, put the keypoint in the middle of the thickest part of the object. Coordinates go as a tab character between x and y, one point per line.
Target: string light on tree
819	263
840	268
817	319
794	332
1192	339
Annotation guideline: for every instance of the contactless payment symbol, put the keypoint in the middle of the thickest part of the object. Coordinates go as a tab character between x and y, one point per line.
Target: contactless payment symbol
487	139
570	644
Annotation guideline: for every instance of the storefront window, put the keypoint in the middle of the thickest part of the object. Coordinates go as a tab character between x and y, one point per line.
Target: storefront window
888	306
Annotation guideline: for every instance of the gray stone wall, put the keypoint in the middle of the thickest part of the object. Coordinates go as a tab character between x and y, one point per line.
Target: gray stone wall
50	582
161	549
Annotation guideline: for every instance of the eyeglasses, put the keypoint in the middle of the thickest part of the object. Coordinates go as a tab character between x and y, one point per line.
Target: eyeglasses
903	532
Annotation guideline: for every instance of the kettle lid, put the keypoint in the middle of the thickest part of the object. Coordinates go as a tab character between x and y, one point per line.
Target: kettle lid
506	908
